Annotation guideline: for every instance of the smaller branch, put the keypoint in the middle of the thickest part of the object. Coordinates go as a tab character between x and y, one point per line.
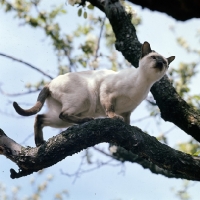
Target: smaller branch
71	64
141	119
98	43
103	152
169	130
122	155
25	63
18	94
5	113
100	35
27	138
81	171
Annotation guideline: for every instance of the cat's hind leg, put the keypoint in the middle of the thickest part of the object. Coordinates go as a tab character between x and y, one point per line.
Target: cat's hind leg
126	117
48	119
67	116
73	113
38	126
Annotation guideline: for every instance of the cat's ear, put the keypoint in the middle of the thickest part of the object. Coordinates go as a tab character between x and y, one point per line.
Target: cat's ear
170	59
146	49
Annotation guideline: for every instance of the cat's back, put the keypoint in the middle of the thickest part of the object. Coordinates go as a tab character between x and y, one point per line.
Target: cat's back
93	74
77	80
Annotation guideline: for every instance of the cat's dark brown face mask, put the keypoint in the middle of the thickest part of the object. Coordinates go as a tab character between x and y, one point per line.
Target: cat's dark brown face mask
160	62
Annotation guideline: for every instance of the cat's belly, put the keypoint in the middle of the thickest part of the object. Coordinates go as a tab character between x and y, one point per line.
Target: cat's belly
96	113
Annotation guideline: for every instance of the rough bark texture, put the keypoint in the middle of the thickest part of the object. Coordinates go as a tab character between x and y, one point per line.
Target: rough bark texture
178	9
174	109
123	155
77	138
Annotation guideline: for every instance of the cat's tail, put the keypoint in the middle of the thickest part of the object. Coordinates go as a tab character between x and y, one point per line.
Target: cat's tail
37	107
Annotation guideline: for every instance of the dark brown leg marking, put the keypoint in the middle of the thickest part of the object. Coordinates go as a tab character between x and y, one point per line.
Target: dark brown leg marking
126	117
74	119
38	130
110	112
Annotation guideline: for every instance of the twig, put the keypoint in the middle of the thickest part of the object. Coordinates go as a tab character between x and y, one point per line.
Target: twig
27	138
103	152
169	130
31	66
99	39
141	119
100	34
80	171
18	94
99	164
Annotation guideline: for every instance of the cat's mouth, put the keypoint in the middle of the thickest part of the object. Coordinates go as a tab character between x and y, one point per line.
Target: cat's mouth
159	67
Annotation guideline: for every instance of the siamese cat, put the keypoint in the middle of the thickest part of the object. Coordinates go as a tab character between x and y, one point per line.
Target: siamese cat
78	97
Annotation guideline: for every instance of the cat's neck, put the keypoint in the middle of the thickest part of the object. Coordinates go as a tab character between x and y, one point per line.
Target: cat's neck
146	77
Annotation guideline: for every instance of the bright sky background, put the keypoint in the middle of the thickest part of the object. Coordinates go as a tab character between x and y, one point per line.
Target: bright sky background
107	183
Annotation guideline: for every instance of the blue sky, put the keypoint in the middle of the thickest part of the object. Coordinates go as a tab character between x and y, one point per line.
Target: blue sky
107	183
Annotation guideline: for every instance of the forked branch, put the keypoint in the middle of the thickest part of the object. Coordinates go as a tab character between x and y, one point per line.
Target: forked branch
79	137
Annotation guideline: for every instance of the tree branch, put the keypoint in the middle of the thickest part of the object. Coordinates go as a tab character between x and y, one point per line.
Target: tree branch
180	10
20	93
25	63
123	155
79	137
173	108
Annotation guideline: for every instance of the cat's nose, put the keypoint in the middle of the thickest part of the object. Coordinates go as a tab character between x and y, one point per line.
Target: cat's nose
159	64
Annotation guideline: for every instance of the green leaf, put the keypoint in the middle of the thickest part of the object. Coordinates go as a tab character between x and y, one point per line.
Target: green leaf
80	12
85	15
90	6
196	153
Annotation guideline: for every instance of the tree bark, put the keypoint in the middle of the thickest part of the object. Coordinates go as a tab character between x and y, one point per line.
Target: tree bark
79	137
179	10
123	155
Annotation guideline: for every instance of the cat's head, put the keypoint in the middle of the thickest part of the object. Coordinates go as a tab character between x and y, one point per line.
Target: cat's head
153	64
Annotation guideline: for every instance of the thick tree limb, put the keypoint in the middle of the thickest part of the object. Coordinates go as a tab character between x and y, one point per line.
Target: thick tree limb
173	108
77	138
180	10
123	155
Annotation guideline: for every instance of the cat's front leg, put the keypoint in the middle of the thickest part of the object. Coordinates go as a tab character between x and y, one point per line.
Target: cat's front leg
110	112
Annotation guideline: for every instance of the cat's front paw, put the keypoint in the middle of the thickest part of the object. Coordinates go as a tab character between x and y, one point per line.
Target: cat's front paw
118	117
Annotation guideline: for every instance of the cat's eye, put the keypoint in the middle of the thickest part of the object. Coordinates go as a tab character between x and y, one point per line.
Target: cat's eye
153	57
